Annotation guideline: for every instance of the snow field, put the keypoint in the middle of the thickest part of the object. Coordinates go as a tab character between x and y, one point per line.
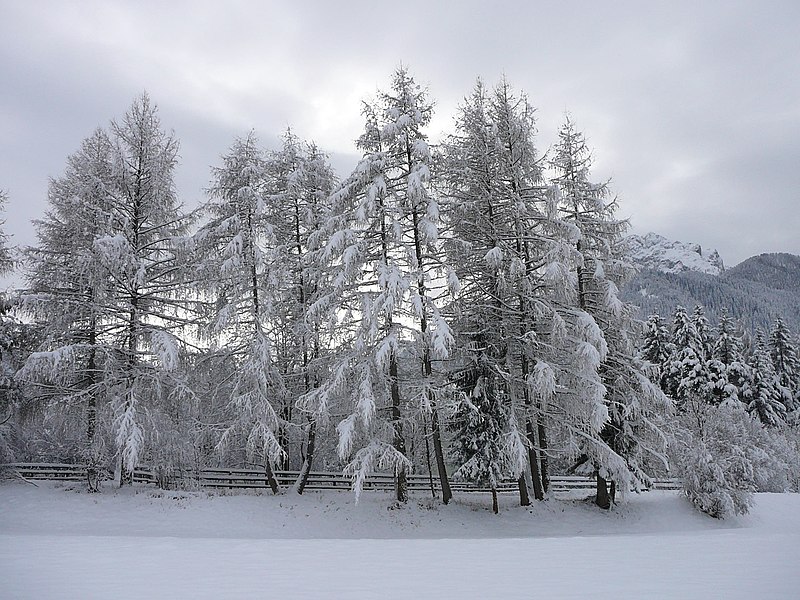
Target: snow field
142	543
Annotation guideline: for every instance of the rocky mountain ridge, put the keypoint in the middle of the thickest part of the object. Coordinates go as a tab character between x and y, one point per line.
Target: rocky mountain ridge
653	251
671	273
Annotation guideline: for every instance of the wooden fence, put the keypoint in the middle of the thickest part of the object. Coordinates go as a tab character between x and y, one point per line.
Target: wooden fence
254	478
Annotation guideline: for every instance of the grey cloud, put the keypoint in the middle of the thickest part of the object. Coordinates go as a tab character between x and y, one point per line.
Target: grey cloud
691	106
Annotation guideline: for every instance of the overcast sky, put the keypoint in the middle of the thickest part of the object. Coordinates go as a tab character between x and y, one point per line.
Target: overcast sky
692	108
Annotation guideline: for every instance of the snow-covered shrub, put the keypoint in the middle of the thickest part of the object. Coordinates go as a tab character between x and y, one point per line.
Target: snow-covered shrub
713	451
725	453
718	483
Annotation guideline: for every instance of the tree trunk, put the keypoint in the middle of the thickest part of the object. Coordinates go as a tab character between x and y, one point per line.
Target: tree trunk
400	480
447	493
427	368
602	498
524	498
533	459
543	453
428	456
283	434
495	507
270	475
125	475
302	479
92	471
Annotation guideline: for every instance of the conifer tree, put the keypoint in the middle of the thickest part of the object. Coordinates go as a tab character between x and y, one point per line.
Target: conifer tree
485	440
627	398
765	398
657	348
786	362
241	268
384	240
728	369
511	250
302	183
703	330
6	254
67	288
687	376
116	305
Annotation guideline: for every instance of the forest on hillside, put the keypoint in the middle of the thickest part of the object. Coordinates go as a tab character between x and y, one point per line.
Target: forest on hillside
452	309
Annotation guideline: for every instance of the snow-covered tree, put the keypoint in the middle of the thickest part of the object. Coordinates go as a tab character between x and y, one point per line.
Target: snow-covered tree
715	463
487	446
703	330
622	406
687	374
6	254
240	267
657	347
302	182
17	339
764	396
68	288
106	281
383	239
786	361
511	253
728	371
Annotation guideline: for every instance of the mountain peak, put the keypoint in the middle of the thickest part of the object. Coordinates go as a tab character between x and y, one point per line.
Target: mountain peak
656	252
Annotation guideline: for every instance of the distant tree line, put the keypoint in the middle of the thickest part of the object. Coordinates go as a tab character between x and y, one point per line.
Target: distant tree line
737	397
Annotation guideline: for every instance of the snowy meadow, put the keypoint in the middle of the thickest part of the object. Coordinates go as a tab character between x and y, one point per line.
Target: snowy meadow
59	542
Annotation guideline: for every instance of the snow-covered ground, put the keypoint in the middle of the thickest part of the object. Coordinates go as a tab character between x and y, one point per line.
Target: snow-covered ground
142	543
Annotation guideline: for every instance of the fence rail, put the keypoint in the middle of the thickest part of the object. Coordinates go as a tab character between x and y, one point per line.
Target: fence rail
238	478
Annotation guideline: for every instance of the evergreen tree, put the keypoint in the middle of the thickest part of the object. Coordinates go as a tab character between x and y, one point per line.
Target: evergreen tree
657	348
786	362
687	374
728	369
765	398
482	426
703	330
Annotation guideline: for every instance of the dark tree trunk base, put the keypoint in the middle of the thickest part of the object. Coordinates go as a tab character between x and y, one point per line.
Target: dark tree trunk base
270	475
602	499
524	498
401	486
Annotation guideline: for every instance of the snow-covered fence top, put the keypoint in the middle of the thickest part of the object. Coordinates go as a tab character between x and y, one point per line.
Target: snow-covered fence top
230	478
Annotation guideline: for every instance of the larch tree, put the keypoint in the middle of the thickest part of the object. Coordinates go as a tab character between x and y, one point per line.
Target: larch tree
116	226
67	291
622	408
383	239
302	182
6	254
504	243
240	265
150	312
